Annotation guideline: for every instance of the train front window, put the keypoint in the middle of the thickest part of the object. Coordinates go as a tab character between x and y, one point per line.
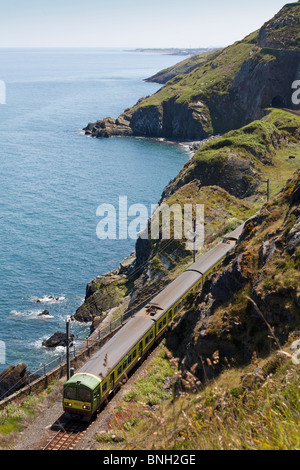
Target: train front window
84	395
70	393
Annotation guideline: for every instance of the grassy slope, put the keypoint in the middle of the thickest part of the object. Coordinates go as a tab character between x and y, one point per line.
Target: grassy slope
266	144
223	416
168	258
182	68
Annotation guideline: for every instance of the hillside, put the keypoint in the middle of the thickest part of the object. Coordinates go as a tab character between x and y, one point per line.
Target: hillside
228	175
227	89
227	375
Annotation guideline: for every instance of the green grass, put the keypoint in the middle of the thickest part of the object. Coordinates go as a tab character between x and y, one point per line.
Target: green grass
12	418
148	392
19	414
229	413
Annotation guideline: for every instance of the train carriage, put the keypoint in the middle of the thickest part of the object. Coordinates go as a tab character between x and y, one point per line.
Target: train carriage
108	367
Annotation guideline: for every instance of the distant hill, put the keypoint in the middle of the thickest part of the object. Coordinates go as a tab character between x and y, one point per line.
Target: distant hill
174	51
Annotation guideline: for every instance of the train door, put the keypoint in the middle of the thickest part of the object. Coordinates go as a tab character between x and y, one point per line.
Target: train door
112	381
96	398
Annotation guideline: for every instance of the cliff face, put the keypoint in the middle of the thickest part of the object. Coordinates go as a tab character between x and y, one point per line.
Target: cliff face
282	31
224	90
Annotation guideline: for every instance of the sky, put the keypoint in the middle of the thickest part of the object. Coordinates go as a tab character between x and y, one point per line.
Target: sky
131	23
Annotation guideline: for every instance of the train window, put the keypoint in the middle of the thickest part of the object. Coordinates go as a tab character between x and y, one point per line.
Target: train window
84	395
70	393
170	316
151	335
147	340
120	370
124	365
104	387
160	325
129	359
165	321
134	354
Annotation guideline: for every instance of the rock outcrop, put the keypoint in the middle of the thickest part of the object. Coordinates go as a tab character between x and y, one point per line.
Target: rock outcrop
106	292
58	339
14	378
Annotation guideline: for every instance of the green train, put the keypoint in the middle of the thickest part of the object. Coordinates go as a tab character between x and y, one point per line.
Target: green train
90	387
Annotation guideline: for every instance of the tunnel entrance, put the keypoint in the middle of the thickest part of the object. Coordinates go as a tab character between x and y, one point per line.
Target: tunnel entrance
278	102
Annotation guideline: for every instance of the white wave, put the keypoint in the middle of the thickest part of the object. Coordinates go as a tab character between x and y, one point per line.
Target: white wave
38	344
48	299
16	313
30	314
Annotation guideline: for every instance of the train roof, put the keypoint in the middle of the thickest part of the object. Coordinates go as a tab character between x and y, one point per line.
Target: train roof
89	380
173	292
103	361
235	235
211	258
178	288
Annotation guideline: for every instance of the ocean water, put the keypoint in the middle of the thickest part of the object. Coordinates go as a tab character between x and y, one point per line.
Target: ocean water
53	178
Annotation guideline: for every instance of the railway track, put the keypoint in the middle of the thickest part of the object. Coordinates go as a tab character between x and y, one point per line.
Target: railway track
68	436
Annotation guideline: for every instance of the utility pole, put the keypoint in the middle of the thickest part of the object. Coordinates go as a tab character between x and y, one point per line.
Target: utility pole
194	253
268	189
68	347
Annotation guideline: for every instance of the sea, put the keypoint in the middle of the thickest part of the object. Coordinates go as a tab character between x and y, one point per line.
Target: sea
53	178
